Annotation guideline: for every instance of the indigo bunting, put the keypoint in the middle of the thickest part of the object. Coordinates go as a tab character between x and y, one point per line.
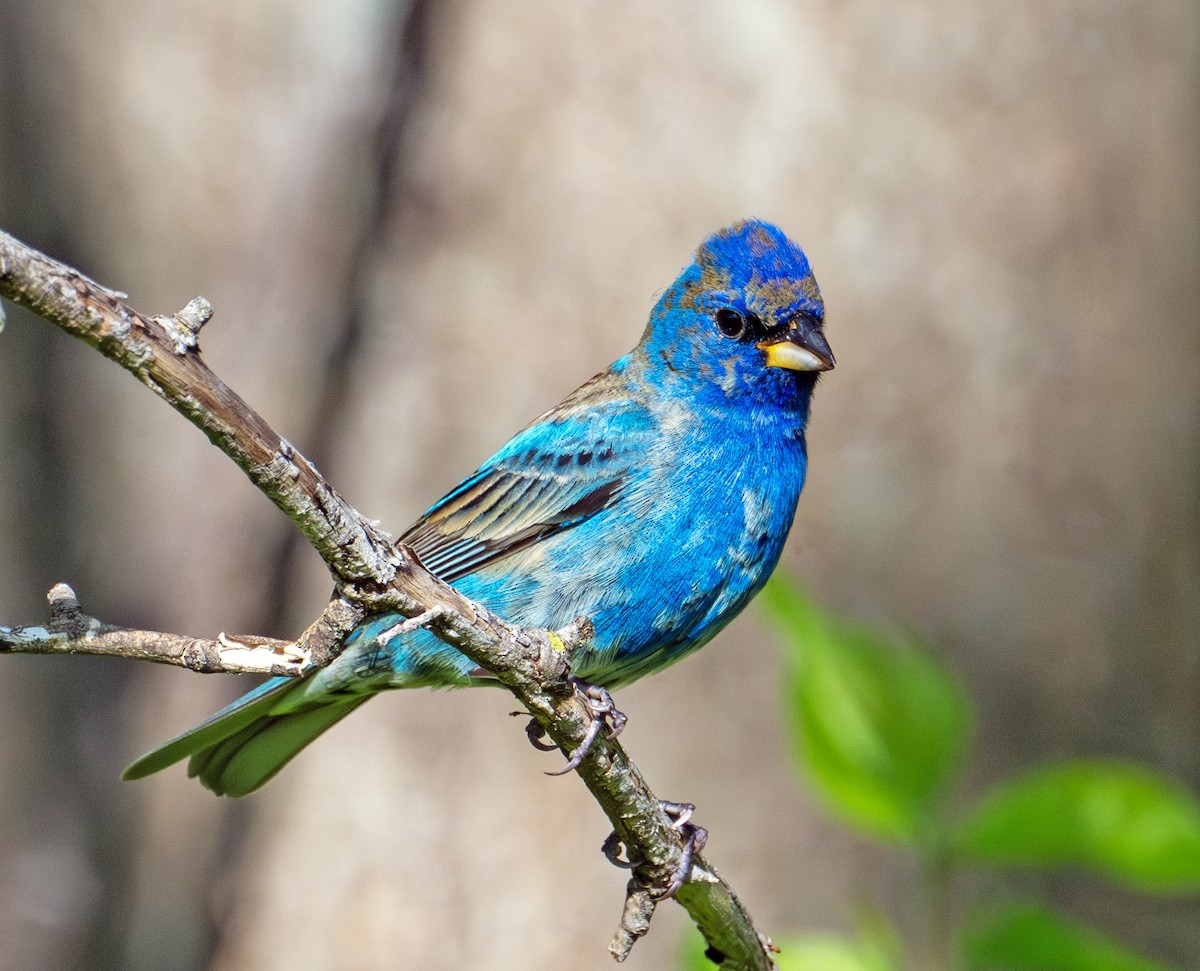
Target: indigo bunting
654	501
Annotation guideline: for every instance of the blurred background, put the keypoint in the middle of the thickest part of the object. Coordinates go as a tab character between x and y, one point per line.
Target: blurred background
421	224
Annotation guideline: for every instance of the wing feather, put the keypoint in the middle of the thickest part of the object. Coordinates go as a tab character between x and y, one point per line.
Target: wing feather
558	472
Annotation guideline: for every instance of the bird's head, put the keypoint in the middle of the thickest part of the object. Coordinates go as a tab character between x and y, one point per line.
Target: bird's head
743	321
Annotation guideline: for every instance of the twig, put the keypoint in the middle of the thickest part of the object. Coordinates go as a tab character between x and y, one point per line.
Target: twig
373	575
635	920
71	631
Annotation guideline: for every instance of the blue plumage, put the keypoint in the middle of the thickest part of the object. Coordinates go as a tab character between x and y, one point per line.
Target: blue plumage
654	500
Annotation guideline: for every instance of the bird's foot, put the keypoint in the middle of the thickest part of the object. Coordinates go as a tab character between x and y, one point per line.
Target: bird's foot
694	839
605	714
535	733
612	848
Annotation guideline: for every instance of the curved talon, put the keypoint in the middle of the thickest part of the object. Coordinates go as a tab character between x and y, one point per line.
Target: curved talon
677	812
604	712
694	838
535	733
612	849
575	759
600	703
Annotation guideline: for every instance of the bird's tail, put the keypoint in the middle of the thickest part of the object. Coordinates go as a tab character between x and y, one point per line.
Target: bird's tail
242	746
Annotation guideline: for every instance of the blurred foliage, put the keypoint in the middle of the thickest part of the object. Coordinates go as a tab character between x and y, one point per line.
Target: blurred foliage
1119	819
1033	938
881	731
880	727
814	952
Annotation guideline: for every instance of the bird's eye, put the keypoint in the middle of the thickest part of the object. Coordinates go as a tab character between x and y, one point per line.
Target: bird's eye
730	322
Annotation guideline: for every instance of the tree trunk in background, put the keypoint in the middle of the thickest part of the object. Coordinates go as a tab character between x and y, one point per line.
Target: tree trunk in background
1000	202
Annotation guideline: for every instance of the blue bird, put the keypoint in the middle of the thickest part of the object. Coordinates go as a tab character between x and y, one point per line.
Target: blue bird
655	501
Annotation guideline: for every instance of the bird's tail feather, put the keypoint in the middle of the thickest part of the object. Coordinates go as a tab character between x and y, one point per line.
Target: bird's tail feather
243	745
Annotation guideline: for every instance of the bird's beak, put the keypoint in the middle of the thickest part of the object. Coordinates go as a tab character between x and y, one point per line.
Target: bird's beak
802	347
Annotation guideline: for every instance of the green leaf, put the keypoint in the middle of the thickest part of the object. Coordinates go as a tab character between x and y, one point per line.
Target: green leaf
829	953
1036	939
879	725
824	952
1116	818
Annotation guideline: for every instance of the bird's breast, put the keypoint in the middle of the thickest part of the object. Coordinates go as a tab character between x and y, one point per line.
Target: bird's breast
682	552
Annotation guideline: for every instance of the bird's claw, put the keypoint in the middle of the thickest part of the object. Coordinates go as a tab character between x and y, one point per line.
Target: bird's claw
535	733
612	848
604	712
679	813
694	839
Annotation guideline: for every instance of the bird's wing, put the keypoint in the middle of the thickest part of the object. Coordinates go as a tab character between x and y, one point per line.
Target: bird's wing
564	468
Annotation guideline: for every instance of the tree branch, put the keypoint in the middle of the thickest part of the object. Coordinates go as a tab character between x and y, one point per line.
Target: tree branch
373	575
71	631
